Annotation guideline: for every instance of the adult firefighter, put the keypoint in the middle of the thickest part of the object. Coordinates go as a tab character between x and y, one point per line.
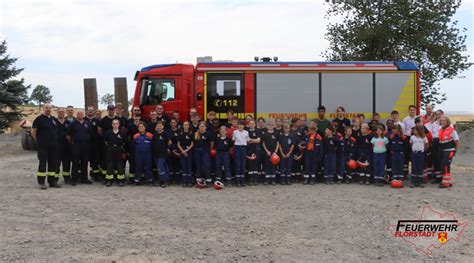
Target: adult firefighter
95	145
78	135
44	131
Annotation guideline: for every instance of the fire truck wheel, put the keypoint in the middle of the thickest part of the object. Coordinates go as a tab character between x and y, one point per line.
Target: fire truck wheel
31	143
24	141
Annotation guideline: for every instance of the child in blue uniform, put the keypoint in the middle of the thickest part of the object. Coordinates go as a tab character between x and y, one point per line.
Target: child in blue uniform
271	146
222	144
397	154
347	153
261	163
379	143
298	134
287	144
203	142
253	152
330	145
172	160
364	153
161	141
115	140
143	158
312	154
185	149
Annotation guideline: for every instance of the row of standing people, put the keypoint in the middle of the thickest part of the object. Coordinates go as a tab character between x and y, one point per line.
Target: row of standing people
241	151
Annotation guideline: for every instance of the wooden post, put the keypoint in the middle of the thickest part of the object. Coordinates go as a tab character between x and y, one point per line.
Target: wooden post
90	93
121	93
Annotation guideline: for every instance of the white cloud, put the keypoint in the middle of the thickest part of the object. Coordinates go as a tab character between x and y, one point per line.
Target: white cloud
152	31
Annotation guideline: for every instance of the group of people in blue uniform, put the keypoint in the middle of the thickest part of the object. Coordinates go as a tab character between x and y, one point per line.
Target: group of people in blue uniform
161	150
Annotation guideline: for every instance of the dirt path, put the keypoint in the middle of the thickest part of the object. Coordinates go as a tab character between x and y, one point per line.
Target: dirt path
294	223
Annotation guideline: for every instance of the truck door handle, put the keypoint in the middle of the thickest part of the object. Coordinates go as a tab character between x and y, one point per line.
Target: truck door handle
199	96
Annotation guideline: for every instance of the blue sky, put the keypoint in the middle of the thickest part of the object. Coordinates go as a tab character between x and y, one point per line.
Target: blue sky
59	43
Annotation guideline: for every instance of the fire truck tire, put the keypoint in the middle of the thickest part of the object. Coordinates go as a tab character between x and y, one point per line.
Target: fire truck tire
24	141
31	143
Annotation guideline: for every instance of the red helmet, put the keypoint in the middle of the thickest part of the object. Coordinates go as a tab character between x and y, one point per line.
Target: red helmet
275	159
396	184
218	185
351	164
252	157
363	164
200	183
213	153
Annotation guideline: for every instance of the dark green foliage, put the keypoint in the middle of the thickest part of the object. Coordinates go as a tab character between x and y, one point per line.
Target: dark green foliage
419	31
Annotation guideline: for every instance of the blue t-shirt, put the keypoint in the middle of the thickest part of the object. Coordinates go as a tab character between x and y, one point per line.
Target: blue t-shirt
379	144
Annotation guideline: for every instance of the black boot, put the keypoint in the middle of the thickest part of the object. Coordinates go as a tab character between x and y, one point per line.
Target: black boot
67	179
54	184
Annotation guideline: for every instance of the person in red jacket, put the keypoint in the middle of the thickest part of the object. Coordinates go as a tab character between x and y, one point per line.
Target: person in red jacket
448	144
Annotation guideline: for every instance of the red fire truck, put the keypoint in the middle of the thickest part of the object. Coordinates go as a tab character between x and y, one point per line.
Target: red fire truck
274	89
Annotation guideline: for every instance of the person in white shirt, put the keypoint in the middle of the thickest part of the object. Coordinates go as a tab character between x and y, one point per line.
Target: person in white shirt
408	124
409	121
240	138
395	116
433	126
419	144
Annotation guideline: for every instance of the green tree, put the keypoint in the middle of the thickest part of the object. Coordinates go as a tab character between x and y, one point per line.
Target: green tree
420	31
107	99
41	94
12	92
22	90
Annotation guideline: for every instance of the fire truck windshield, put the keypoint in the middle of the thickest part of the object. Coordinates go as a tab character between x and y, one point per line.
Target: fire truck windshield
156	91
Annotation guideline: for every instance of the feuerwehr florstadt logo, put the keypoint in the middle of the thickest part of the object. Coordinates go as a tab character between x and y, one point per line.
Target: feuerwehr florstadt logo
432	229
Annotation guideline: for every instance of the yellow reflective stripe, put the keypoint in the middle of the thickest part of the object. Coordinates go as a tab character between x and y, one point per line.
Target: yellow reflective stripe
42	174
104	172
109	177
121	176
56	175
66	173
131	175
96	171
51	174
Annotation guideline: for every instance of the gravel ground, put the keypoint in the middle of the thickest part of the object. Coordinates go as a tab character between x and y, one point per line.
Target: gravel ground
296	223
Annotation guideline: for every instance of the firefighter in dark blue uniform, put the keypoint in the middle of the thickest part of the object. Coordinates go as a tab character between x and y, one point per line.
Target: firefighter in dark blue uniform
44	131
114	140
105	125
79	133
63	150
172	160
95	145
